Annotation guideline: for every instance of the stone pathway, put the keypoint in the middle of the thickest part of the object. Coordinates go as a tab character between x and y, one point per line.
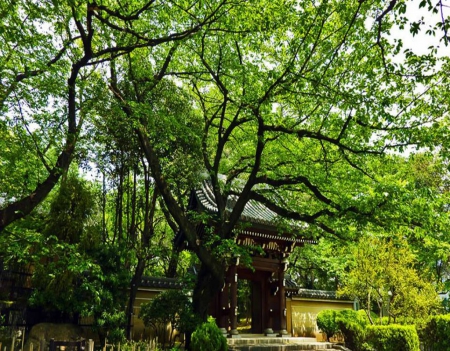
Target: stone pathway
248	342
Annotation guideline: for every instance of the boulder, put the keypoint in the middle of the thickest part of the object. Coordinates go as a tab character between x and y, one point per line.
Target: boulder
59	332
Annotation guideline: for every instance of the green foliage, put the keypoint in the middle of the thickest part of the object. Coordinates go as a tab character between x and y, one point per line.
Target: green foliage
359	335
137	346
383	273
326	322
5	332
352	325
208	337
392	338
170	306
244	300
71	210
436	334
419	322
297	100
320	266
82	282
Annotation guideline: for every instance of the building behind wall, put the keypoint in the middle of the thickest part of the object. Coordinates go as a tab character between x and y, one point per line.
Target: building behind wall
150	288
305	304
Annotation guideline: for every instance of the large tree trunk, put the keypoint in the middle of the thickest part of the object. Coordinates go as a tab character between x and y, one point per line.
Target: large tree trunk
134	286
173	263
207	286
147	234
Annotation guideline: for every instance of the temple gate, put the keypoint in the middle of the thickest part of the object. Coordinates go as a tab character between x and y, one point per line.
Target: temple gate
267	275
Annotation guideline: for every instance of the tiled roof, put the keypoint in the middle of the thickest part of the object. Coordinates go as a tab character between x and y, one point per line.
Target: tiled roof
289	238
320	294
290	284
254	212
160	283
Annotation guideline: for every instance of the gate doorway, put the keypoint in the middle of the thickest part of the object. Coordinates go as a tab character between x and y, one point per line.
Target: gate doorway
252	301
266	286
250	319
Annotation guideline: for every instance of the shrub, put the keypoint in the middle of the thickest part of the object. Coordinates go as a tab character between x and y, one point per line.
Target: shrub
169	307
208	337
436	334
392	337
326	322
352	325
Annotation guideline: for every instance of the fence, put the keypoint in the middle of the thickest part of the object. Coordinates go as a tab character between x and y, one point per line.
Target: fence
17	344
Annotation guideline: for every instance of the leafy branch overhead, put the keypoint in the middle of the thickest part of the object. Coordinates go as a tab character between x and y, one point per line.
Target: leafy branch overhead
309	107
75	42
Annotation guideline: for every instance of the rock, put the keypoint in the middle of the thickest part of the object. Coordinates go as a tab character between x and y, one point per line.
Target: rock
59	332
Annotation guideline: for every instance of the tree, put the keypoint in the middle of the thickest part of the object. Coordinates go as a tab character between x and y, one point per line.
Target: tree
169	307
65	75
383	273
141	221
320	266
295	117
295	103
73	46
418	183
428	235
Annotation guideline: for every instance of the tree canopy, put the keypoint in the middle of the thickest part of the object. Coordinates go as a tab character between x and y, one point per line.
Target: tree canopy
309	107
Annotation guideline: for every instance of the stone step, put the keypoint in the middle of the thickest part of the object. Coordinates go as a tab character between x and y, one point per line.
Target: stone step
261	343
278	347
258	339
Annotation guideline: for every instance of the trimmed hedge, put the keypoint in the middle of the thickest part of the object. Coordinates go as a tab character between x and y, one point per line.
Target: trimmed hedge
392	337
352	325
326	322
359	335
436	335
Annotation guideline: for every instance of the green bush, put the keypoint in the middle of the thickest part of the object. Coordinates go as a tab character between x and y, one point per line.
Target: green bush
169	307
352	325
392	337
326	322
208	337
436	334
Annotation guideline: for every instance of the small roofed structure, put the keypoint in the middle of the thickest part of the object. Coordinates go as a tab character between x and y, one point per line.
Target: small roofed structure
260	228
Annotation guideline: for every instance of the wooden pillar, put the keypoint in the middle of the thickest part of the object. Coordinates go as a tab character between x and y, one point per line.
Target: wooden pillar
268	308
282	299
269	331
233	300
224	308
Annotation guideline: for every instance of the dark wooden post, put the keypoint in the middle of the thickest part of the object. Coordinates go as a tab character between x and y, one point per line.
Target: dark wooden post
282	299
52	345
224	307
268	308
233	300
269	331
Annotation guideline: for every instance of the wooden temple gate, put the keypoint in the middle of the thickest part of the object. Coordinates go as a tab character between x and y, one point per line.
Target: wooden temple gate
268	285
267	276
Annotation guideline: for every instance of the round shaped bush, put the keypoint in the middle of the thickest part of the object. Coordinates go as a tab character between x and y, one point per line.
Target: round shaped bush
208	337
326	322
393	337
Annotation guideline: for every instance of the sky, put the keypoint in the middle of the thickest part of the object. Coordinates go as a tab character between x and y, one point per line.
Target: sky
420	42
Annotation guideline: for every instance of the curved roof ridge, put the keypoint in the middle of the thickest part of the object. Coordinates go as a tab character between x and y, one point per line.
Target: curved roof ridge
254	211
